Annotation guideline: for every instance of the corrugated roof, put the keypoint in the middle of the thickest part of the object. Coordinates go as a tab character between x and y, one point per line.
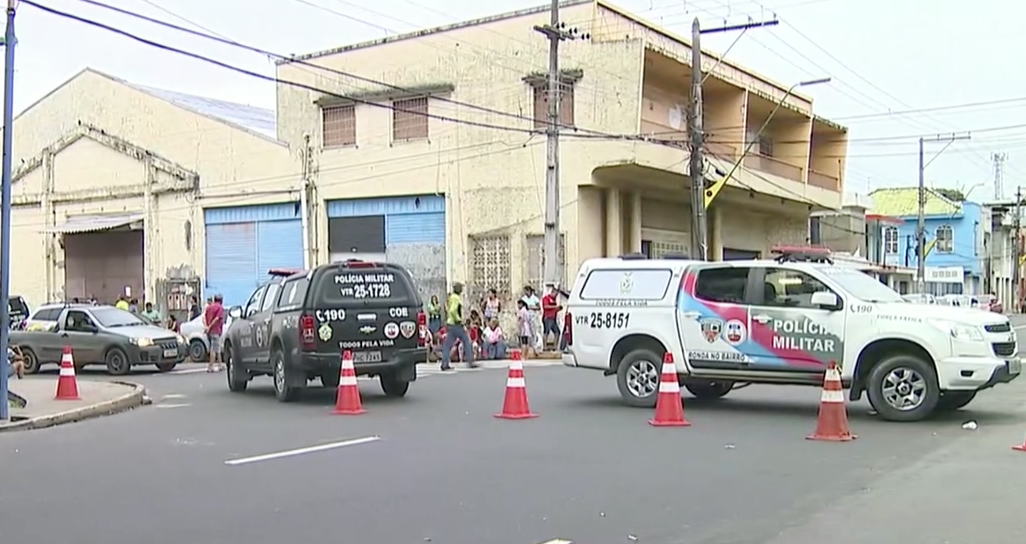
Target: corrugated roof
904	202
260	120
95	223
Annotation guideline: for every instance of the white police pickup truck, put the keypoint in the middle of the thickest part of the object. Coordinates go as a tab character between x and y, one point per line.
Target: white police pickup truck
780	322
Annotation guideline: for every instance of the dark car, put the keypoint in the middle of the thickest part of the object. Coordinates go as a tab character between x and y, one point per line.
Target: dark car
296	326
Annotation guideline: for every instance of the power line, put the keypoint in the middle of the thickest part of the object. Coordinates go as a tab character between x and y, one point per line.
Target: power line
291	60
949	107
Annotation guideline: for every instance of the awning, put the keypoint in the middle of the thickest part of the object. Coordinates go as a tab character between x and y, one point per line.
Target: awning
96	223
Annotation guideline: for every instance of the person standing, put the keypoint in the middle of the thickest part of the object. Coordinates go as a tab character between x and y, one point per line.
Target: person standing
122	303
455	329
550	311
533	304
491	306
194	307
151	315
213	322
434	315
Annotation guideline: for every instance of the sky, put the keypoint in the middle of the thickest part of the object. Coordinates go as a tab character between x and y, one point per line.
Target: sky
899	71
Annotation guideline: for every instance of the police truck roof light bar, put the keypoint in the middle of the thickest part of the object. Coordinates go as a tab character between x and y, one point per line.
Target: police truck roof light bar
802	254
356	263
284	272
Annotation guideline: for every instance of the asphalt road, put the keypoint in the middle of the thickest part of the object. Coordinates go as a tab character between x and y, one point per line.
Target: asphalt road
437	467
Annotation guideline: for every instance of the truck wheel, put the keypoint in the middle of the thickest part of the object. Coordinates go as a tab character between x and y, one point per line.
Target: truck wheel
331	379
31	360
706	390
638	376
117	362
953	400
197	351
166	367
903	388
238	378
284	391
393	386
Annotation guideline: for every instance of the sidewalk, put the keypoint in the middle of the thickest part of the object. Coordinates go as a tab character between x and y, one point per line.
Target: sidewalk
98	399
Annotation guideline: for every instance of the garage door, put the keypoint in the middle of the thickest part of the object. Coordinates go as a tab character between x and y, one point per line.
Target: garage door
103	265
414	234
243	243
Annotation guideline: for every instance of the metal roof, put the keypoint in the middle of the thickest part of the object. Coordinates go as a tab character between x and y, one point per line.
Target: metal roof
260	120
95	223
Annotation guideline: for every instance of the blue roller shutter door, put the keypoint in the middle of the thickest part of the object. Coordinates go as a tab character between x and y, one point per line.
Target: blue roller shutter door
231	261
279	245
409	228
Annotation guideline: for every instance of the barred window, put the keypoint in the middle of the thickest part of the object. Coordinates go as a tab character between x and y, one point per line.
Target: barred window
409	119
338	126
541	105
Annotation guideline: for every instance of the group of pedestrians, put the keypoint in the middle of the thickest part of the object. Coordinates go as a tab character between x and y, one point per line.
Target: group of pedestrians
482	335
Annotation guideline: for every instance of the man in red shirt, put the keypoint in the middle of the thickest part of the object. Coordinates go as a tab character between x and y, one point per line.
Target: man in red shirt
213	321
550	311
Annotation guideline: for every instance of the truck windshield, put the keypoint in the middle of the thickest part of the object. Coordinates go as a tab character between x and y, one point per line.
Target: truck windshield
114	317
863	286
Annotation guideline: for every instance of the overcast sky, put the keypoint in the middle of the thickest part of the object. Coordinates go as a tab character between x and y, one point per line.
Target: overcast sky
885	57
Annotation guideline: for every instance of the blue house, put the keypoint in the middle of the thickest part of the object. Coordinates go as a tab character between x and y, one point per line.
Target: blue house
954	239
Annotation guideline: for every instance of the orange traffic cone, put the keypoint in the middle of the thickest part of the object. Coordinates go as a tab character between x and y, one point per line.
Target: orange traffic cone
669	410
832	424
347	402
515	405
67	384
1020	447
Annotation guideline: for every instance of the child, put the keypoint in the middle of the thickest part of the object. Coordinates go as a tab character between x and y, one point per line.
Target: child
525	328
474	332
15	362
494	341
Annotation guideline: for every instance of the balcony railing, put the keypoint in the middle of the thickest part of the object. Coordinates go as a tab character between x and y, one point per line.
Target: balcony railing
819	179
774	166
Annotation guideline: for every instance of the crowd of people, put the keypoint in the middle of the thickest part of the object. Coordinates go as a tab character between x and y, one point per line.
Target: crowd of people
455	337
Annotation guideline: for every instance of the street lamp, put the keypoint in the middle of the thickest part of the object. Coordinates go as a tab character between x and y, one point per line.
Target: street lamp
710	194
5	206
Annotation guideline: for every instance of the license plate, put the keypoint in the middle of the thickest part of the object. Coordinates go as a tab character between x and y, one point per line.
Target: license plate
1015	366
367	357
170	353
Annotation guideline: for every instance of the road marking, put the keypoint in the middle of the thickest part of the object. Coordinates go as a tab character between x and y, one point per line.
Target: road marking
182	405
172	396
558	541
302	451
1023	326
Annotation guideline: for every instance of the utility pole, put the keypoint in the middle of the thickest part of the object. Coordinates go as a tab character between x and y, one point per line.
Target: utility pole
921	223
699	220
556	32
304	200
5	208
1017	251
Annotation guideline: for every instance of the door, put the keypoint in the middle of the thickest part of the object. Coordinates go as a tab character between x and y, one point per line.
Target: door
261	326
81	333
789	333
246	335
713	316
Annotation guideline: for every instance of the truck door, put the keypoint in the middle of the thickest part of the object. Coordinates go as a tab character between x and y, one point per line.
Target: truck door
713	316
789	333
248	348
261	325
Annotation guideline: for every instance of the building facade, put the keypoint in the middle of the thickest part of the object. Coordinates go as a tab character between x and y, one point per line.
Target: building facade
1000	252
954	239
128	189
393	149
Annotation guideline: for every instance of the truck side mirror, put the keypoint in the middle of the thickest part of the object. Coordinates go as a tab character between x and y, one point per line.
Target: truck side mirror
235	312
826	300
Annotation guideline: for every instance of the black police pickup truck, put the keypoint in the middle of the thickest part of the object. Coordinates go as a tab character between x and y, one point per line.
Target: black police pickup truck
295	327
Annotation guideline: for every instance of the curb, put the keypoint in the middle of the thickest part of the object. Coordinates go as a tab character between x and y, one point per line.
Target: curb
125	402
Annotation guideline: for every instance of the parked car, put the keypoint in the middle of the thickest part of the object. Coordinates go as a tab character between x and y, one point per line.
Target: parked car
294	328
18	309
989	303
100	335
195	335
955	300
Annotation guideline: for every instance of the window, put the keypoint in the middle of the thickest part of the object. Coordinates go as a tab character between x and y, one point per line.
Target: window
814	231
765	146
890	240
115	317
860	285
945	239
78	320
409	119
729	285
790	288
541	105
338	126
272	293
47	314
292	293
626	284
254	302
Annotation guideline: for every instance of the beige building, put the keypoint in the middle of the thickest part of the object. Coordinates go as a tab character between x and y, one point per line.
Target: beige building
487	185
120	186
111	181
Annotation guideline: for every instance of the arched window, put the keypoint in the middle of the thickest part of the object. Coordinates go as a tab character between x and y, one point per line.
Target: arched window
945	239
890	240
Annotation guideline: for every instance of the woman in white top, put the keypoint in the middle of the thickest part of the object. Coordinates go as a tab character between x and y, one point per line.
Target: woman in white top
494	341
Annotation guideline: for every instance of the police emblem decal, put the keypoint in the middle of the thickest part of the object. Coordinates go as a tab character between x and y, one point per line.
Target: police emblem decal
711	328
325	332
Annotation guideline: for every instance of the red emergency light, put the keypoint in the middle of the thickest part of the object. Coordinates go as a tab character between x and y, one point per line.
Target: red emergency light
802	254
284	272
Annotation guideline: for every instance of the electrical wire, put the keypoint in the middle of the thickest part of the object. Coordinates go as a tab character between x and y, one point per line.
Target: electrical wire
288	59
